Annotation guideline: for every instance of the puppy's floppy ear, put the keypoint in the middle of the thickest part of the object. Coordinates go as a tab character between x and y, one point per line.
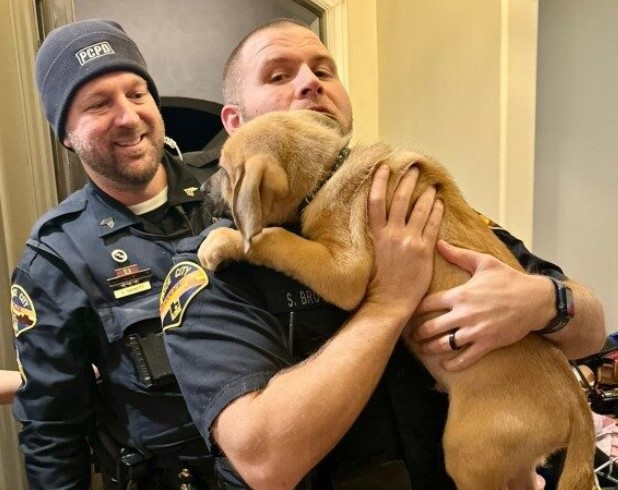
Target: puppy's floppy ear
261	180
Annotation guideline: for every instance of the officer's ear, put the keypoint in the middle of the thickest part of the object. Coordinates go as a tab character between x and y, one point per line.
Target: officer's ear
231	117
67	143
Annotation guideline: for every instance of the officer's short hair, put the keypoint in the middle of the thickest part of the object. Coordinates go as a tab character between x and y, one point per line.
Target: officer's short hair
231	72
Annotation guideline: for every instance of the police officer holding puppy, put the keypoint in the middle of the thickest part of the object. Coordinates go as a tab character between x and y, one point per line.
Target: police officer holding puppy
85	295
287	388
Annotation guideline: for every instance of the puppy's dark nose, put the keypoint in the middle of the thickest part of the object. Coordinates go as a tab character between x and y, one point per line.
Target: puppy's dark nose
213	203
205	187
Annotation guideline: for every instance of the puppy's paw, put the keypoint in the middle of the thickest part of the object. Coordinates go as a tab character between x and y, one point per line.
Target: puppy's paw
221	245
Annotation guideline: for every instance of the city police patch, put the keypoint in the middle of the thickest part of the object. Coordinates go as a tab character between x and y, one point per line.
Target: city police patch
183	282
22	310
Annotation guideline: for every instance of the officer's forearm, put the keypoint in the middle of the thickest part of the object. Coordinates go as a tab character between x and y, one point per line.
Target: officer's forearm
276	436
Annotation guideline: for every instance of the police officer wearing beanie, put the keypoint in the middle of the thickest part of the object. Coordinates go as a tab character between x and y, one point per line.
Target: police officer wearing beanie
84	297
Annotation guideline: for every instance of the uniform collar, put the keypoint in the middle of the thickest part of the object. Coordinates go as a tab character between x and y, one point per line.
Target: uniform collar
111	216
182	185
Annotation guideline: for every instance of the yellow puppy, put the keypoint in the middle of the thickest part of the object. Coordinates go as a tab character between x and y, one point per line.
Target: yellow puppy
503	417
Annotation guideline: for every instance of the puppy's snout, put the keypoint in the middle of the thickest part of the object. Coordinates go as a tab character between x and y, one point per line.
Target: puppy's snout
206	187
213	202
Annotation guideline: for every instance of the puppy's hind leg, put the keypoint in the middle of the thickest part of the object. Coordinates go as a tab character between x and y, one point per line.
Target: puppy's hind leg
473	459
488	467
473	469
525	479
471	480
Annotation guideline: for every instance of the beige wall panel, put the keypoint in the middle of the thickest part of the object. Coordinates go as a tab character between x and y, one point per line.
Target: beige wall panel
456	79
363	69
439	65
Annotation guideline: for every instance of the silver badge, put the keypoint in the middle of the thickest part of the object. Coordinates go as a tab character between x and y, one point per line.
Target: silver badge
119	256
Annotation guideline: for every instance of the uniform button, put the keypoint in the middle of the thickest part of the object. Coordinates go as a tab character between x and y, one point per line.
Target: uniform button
401	374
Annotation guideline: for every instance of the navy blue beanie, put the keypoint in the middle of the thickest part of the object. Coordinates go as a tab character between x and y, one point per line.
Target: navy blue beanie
75	53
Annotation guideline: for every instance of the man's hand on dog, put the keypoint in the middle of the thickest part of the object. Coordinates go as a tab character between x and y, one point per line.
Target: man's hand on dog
496	307
404	242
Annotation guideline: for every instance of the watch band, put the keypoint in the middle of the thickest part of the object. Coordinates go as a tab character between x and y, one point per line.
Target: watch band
565	308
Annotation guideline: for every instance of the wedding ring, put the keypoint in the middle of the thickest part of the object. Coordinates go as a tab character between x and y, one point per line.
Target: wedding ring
451	339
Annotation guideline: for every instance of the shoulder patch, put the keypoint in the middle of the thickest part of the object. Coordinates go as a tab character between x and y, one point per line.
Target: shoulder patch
182	283
23	312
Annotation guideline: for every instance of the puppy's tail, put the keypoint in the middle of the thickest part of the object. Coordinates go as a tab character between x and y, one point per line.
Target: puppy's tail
578	471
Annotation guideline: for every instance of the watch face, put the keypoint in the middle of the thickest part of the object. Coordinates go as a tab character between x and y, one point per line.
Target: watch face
570	304
565	308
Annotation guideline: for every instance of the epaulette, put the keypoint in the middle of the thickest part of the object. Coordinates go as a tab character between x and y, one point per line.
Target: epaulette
73	204
489	222
202	164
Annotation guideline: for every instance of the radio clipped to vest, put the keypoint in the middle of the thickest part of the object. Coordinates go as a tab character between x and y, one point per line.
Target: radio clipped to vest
150	359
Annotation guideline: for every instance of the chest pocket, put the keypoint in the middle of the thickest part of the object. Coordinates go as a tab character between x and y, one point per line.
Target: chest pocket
128	283
119	316
135	327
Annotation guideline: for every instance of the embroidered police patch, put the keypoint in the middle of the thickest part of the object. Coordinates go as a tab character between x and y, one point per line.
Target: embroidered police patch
22	310
183	282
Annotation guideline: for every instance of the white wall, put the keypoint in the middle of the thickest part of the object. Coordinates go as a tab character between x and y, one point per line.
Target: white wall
576	178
